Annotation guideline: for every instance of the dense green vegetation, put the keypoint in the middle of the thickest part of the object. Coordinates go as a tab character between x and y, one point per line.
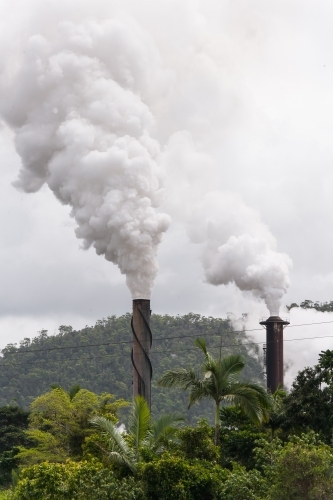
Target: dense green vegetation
71	444
189	466
59	423
13	424
309	404
73	357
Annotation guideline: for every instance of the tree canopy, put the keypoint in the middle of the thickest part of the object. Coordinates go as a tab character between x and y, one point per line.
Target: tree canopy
98	358
13	423
59	423
317	306
309	406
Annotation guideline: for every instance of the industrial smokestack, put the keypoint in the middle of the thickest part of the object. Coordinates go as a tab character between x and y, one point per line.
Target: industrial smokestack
142	340
274	351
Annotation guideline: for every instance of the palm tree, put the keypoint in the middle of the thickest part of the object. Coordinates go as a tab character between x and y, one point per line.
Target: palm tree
72	392
275	415
219	381
142	433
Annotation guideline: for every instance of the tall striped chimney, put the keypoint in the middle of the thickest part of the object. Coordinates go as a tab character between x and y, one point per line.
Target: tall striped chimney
142	340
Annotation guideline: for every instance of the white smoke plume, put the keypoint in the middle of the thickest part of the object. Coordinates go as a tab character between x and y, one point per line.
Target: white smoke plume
237	246
82	126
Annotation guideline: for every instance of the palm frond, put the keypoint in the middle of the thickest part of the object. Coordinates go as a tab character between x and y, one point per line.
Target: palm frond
163	429
279	394
74	390
201	344
165	422
210	365
225	372
231	365
198	391
181	378
274	414
139	421
120	459
254	400
263	395
117	447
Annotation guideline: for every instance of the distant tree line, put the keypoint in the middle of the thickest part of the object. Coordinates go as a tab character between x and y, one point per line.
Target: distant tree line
309	304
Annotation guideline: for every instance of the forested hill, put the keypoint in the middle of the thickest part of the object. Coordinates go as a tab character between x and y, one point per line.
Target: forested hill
98	358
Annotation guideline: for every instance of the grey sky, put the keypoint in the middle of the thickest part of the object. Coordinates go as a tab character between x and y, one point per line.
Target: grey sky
251	82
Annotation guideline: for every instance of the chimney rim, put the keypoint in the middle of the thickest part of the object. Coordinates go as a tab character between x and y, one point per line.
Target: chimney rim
274	319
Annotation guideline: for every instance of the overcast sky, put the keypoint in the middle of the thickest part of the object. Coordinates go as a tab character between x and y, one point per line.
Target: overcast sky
248	92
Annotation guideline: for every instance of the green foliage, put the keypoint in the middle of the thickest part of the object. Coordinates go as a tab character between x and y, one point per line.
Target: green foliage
13	422
325	365
233	417
59	423
174	478
238	446
143	435
238	438
197	442
219	381
266	454
139	422
276	414
45	447
303	471
243	485
73	357
177	479
6	495
114	445
309	404
79	480
162	432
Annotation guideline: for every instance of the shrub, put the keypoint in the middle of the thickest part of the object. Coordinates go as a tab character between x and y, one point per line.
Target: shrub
238	436
173	478
303	471
79	480
197	442
6	495
243	485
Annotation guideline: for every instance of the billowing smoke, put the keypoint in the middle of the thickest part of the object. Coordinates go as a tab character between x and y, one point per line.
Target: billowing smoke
237	247
78	109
